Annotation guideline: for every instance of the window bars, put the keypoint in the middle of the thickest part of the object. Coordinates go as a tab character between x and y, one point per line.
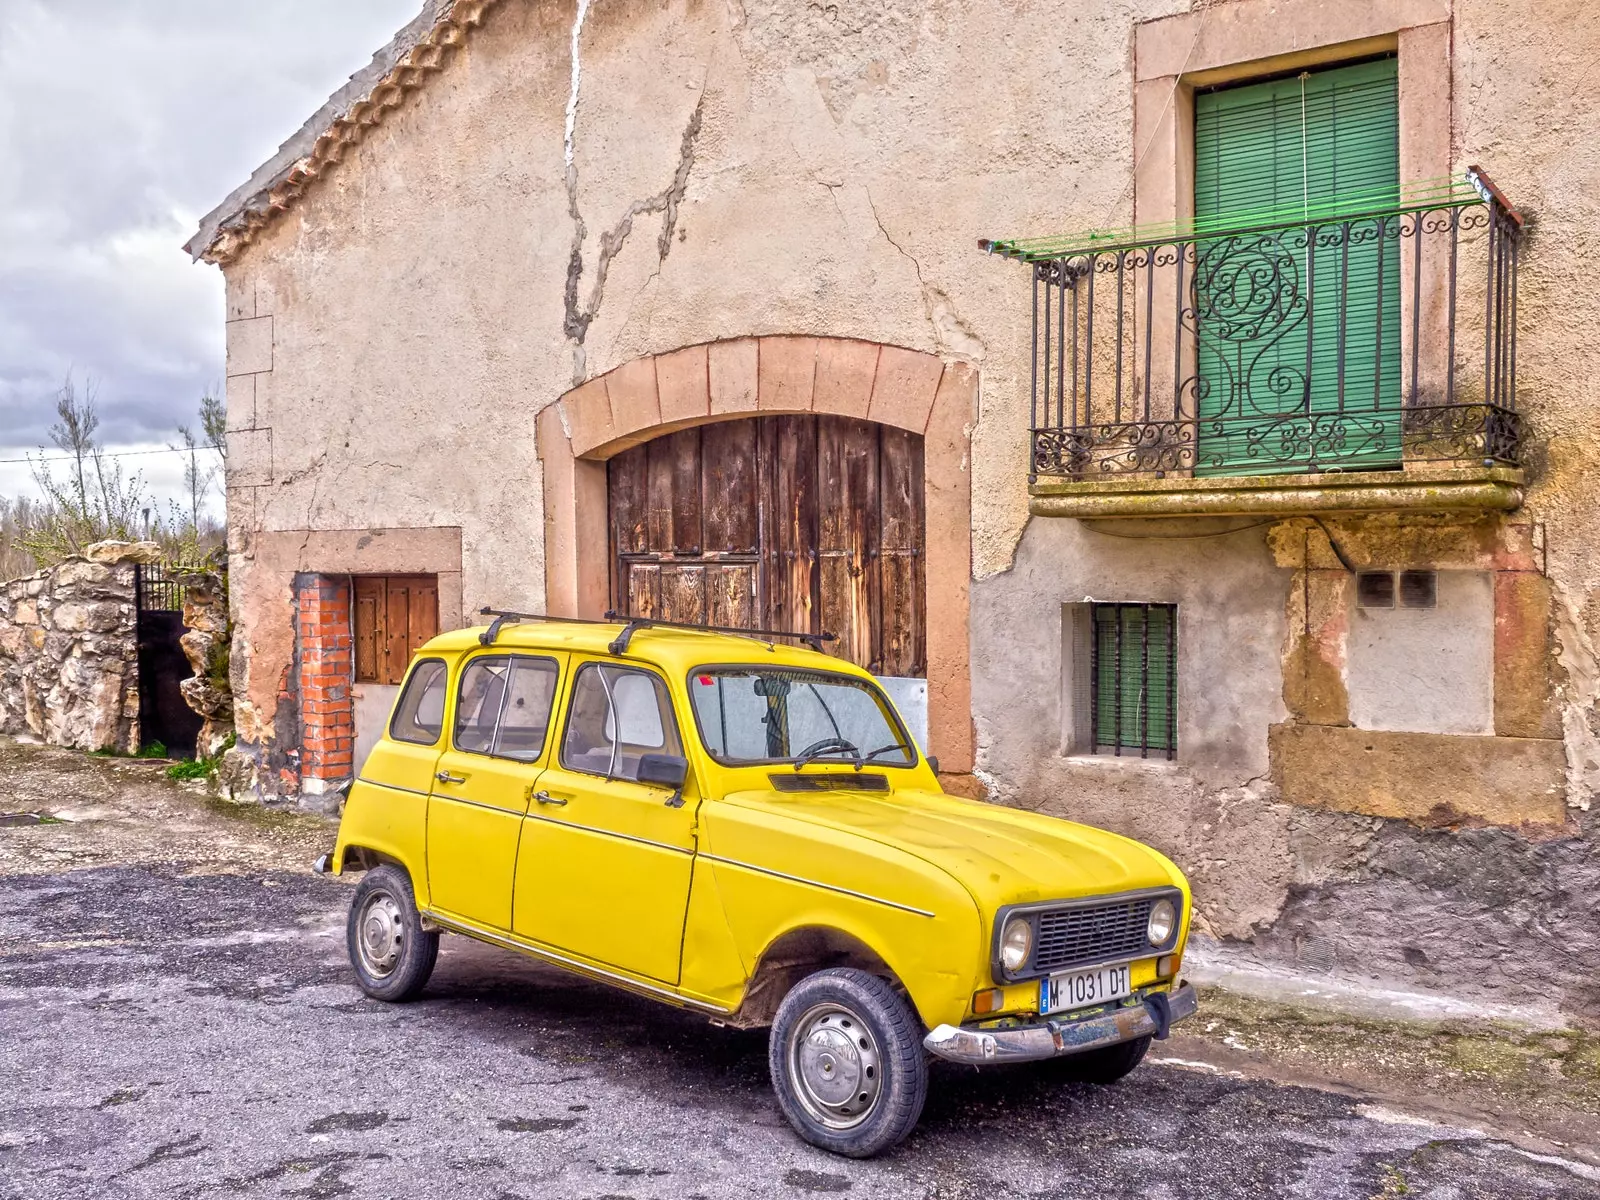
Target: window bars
1134	679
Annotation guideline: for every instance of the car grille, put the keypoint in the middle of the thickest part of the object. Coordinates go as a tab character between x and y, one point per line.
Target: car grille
1068	937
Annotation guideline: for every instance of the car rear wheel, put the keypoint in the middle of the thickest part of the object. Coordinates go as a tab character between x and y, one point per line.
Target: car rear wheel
847	1062
391	954
1106	1065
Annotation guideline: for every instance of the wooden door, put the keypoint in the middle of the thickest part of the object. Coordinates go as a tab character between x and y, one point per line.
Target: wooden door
394	616
800	523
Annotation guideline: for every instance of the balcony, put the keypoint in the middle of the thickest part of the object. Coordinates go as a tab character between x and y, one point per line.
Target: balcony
1355	359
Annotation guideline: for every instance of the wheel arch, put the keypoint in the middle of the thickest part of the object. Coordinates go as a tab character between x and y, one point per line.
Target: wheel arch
799	952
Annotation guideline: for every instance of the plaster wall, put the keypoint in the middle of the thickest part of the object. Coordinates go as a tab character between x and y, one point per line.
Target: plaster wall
1206	810
373	704
771	167
1426	670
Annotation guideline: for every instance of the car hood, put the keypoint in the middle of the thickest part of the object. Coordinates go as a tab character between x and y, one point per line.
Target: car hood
1001	855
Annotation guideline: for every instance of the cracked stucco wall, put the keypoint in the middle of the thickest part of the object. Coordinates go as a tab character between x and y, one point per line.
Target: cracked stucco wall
587	183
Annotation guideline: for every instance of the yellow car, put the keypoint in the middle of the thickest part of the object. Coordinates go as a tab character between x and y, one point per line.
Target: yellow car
744	828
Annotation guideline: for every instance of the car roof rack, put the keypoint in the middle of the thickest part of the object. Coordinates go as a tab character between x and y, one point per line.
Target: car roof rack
506	617
620	644
632	625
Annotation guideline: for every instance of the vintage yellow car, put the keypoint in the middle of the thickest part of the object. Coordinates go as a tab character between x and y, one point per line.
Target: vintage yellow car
745	828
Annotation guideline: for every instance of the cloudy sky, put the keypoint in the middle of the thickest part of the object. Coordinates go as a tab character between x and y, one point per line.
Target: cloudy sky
122	122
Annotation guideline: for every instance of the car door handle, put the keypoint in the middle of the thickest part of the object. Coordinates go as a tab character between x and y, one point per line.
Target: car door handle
446	777
547	798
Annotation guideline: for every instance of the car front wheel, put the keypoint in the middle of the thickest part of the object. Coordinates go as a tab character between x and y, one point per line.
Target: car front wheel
392	955
847	1062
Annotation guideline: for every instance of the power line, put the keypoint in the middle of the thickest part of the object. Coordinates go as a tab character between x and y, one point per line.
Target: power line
109	454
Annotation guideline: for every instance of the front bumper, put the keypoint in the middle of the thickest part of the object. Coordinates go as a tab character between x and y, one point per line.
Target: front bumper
1070	1035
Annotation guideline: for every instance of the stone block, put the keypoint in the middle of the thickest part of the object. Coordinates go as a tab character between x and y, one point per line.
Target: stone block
250	458
249	346
635	403
26	612
1523	703
76	616
786	374
685	389
1432	779
904	388
733	369
240	288
240	402
112	553
587	413
845	370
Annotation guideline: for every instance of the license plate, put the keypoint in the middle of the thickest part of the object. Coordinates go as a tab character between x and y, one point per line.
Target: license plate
1079	989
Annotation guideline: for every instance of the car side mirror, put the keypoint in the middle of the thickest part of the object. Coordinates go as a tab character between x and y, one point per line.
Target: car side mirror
664	770
933	763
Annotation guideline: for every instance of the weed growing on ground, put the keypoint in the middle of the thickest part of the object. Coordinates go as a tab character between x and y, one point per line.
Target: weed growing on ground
200	768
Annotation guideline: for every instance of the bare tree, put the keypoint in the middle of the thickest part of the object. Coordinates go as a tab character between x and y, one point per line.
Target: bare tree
74	431
214	424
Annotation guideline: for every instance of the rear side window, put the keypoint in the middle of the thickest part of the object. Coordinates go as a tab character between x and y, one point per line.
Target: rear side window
617	717
504	706
419	717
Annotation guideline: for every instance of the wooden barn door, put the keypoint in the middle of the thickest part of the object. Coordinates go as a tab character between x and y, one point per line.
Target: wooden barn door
810	524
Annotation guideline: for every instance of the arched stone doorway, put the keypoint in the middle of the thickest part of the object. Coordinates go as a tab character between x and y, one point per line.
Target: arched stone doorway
750	380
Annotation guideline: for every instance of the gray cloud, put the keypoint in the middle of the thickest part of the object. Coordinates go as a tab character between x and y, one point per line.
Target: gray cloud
121	123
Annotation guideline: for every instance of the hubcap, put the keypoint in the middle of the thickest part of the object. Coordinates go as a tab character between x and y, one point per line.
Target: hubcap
379	933
834	1063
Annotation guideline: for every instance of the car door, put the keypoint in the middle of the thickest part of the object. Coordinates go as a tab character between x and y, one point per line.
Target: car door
605	862
499	741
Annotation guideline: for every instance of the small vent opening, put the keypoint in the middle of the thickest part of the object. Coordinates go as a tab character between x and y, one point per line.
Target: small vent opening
1375	589
1419	589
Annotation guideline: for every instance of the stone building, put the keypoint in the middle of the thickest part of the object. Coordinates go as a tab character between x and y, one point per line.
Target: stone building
1184	406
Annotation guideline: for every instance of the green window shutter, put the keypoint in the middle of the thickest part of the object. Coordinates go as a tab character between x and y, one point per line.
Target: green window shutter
1269	306
1135	677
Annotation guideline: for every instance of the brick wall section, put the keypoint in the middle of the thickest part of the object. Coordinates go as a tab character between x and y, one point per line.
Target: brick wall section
327	659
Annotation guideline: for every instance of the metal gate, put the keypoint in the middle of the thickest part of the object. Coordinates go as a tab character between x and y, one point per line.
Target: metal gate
164	715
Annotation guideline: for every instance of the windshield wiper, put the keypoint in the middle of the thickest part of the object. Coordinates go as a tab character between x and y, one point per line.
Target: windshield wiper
818	749
861	762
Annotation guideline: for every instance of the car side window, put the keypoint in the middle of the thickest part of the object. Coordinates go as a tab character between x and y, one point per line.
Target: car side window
616	717
503	706
525	716
419	717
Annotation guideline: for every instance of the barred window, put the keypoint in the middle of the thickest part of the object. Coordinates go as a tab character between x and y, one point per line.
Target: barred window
1134	679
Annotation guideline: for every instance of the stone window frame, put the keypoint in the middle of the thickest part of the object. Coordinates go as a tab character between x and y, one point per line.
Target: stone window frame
1252	39
1239	41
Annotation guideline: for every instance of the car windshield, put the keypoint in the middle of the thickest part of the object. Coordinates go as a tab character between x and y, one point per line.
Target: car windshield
772	715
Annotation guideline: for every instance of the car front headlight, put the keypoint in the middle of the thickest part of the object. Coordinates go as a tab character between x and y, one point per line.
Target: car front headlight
1016	943
1163	919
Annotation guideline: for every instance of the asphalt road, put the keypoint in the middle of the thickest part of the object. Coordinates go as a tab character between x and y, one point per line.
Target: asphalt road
189	1035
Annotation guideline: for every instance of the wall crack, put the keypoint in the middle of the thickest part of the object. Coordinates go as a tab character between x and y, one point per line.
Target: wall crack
954	337
579	315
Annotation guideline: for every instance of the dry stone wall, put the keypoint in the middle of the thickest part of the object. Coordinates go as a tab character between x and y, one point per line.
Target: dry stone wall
69	659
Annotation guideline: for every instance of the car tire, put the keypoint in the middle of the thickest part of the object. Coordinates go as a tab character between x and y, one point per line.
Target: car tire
847	1062
1108	1064
392	955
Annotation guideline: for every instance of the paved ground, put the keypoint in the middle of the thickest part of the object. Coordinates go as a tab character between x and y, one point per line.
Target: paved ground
176	1020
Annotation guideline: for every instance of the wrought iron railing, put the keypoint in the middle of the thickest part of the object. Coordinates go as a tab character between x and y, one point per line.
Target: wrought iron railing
1361	340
